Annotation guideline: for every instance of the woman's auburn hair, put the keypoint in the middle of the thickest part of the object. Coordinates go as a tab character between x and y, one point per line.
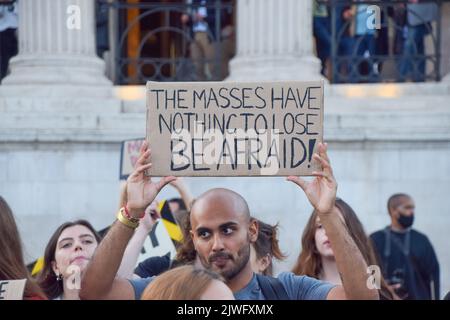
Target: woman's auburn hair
267	245
309	262
181	283
12	265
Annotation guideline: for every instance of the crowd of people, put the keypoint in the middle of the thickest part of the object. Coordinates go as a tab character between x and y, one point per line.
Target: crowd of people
365	40
226	251
363	44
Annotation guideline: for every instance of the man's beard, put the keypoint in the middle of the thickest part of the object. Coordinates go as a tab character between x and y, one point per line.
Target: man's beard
239	263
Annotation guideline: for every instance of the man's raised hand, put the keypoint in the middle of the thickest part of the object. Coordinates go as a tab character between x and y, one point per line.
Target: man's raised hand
141	190
321	191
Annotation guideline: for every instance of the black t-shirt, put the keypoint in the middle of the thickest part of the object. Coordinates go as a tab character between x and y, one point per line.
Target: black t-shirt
153	266
408	259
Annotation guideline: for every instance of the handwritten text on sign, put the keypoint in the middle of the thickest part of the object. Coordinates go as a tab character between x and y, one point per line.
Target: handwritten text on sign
234	129
12	289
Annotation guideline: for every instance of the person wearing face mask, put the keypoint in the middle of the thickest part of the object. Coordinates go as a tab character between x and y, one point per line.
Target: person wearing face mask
407	257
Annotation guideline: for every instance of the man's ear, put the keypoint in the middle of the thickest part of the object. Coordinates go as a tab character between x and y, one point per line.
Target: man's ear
395	213
253	230
265	262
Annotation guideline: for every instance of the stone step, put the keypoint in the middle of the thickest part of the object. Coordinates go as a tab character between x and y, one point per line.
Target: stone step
62	106
388	90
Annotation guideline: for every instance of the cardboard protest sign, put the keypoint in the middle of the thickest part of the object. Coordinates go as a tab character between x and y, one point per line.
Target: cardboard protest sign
129	154
12	289
234	129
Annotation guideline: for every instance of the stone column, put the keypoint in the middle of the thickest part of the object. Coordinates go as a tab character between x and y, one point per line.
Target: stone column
274	41
445	45
57	46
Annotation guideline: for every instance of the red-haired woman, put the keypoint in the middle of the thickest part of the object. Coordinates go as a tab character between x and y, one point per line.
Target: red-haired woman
12	266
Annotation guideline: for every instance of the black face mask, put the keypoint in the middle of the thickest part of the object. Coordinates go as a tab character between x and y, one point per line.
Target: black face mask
406	221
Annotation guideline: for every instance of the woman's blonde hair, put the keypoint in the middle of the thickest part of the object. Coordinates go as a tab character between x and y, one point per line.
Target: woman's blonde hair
182	283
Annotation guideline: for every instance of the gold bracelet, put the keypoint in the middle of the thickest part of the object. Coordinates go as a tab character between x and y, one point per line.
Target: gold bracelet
126	221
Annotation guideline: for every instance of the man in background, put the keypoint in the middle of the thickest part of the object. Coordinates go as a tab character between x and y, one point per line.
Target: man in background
8	34
407	257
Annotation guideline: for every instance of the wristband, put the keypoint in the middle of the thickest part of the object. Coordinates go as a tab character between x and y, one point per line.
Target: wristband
128	215
124	220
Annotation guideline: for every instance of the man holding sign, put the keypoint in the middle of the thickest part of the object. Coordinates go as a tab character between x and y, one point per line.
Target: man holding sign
222	233
229	129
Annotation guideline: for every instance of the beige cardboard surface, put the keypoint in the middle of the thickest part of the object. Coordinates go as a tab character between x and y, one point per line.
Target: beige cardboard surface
12	289
234	129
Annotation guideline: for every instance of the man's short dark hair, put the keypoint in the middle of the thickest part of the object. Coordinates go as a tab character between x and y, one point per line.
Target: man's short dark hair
395	200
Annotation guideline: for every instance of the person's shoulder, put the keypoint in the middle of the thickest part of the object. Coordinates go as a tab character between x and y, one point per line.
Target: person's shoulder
141	281
301	287
419	236
291	282
377	233
139	285
288	277
153	266
158	258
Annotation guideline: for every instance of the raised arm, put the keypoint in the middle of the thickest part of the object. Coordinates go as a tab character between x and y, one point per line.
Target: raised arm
321	193
184	192
135	245
99	280
123	194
